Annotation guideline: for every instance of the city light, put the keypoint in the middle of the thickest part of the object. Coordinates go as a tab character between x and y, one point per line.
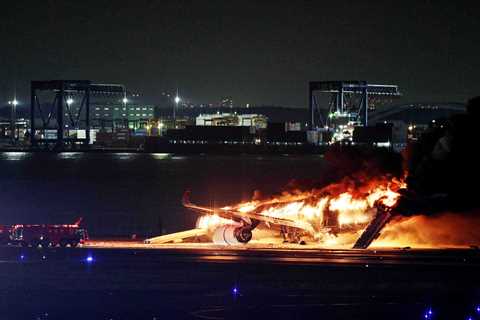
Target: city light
177	99
13	102
69	101
125	100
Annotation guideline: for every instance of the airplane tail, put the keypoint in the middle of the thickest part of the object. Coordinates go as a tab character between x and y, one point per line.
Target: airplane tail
78	221
186	198
187	204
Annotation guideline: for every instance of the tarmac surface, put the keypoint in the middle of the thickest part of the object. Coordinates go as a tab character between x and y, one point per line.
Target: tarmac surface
130	280
299	254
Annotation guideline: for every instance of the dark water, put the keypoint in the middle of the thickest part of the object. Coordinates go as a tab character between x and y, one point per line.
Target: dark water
125	193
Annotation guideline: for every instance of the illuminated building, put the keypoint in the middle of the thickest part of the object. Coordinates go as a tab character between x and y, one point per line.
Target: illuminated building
232	119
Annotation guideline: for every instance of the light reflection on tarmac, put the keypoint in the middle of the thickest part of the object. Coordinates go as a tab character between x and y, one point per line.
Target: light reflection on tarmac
297	254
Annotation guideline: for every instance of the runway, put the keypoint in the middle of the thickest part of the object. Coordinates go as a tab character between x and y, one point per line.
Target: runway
297	254
130	280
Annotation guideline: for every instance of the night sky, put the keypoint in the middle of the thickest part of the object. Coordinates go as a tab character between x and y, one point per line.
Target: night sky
258	52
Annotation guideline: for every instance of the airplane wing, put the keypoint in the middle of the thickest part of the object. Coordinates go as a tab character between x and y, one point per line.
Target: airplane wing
246	216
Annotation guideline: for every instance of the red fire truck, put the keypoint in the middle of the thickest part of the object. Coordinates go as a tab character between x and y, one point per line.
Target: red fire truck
48	235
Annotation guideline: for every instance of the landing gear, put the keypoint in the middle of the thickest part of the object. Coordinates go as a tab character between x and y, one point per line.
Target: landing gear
291	235
243	234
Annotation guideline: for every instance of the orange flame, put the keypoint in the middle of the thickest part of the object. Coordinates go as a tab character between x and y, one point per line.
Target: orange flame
336	214
443	230
212	221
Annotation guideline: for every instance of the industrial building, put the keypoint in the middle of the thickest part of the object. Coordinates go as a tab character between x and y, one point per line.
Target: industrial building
212	135
108	116
232	119
130	112
20	128
273	134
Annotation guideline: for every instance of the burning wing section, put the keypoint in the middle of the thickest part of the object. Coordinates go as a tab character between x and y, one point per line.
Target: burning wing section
233	225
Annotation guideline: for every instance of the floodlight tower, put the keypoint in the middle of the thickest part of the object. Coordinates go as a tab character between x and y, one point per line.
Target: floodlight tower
175	106
13	118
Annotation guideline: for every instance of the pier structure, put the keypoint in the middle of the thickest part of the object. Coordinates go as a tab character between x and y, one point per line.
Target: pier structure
348	101
52	116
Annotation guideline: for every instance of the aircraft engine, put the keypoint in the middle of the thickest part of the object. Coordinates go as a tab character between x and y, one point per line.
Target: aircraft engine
231	235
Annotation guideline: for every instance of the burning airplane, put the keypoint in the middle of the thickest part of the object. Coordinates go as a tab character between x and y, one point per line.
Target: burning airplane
322	216
351	213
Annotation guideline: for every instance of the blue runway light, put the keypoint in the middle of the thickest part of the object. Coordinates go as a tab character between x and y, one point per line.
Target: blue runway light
478	309
235	291
428	314
89	259
22	257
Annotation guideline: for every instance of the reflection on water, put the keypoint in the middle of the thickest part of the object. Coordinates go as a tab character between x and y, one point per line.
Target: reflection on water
161	156
125	155
70	155
14	156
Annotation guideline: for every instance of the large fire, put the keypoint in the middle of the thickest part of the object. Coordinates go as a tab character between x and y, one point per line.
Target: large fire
446	230
332	216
